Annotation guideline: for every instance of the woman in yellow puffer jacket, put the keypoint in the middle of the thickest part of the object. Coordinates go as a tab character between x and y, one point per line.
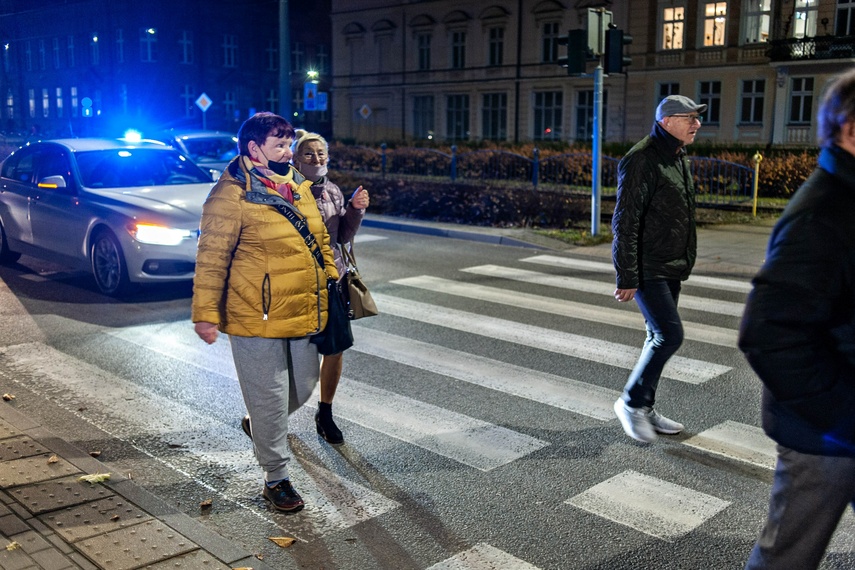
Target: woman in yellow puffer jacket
257	281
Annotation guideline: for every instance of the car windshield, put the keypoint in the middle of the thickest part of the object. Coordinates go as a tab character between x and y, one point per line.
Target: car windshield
121	168
211	148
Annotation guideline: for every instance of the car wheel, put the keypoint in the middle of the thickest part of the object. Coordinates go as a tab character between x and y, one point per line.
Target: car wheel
6	256
108	265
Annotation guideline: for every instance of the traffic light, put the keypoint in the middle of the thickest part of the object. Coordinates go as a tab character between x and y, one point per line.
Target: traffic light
577	52
615	61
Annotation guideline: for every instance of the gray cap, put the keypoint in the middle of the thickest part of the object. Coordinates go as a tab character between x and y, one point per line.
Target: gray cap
677	105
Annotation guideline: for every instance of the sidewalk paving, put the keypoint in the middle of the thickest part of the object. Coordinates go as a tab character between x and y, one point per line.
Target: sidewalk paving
51	520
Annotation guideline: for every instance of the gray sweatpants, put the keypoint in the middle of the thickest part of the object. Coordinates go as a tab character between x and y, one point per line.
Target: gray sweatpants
276	377
809	496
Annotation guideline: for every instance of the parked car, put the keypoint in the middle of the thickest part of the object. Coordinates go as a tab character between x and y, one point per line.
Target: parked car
212	150
129	213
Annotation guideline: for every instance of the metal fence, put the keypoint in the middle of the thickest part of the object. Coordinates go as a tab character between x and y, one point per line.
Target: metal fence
718	182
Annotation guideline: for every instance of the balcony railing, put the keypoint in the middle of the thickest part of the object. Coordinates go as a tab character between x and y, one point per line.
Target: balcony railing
822	47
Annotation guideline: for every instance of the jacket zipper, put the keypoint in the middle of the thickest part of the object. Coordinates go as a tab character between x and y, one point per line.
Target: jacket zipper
265	295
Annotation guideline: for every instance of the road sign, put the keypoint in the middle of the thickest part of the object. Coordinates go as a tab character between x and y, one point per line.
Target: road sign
204	102
365	111
86	102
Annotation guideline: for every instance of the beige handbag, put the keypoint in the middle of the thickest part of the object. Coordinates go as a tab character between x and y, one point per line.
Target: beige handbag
359	301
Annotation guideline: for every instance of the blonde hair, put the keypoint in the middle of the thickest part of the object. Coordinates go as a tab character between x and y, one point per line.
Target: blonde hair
303	136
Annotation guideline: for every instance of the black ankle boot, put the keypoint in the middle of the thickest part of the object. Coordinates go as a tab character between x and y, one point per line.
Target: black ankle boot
326	426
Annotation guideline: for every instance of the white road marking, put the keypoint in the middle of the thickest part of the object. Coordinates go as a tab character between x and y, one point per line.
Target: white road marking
655	507
616	317
482	556
472	442
741	442
704	304
333	503
467	440
600	267
572	395
365	238
577	346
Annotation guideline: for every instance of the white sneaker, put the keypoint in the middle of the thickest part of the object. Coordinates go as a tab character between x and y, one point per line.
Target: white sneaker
636	422
662	424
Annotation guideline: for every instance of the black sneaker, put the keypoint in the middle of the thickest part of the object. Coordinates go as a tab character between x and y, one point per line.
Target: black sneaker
284	497
247	429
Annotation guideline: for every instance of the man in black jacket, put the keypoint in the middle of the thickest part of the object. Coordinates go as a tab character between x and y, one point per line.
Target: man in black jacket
654	250
798	333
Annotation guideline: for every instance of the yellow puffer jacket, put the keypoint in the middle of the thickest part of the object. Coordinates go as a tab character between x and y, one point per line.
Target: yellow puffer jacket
255	276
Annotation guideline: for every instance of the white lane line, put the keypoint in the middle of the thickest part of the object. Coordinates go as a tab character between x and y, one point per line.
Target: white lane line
482	556
613	354
133	413
572	395
365	238
655	507
616	317
734	440
600	267
467	440
704	304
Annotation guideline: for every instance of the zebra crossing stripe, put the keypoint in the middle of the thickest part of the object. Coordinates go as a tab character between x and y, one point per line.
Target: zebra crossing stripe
482	556
733	440
613	354
653	506
336	504
716	306
616	317
471	442
564	393
365	238
466	440
600	267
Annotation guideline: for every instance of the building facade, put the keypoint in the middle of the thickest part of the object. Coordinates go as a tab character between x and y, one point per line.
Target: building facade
453	70
88	67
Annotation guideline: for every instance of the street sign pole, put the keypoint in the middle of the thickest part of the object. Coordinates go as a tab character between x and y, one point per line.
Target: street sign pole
597	150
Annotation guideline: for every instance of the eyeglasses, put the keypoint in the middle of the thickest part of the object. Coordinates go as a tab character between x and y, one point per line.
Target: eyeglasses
692	118
310	155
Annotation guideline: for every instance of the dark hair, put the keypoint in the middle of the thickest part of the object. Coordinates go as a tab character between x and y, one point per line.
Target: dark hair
837	108
260	126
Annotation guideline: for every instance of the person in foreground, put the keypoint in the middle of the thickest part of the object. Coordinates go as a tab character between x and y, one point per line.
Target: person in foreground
798	334
343	218
654	250
257	281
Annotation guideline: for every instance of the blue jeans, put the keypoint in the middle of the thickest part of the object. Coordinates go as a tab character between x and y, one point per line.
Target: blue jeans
657	300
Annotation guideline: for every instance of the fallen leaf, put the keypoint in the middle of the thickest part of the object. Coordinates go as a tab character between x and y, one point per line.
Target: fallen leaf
53	459
95	453
8	397
260	556
206	504
94	478
114	518
282	541
13	546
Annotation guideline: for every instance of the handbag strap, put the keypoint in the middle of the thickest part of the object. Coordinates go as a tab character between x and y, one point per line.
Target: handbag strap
347	254
295	217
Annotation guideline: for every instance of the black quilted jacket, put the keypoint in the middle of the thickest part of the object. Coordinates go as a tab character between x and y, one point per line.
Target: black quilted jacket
798	330
654	218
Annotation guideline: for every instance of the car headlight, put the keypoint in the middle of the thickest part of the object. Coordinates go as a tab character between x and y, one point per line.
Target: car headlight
159	235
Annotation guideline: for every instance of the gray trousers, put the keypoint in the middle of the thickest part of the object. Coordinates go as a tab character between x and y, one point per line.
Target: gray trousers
276	376
809	495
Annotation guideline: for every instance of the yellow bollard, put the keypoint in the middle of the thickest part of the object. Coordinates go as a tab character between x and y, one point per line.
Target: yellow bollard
757	159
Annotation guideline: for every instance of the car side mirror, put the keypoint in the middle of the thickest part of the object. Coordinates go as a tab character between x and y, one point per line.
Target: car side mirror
55	181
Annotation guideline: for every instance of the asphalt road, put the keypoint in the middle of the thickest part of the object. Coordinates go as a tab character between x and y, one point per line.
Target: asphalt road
476	410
